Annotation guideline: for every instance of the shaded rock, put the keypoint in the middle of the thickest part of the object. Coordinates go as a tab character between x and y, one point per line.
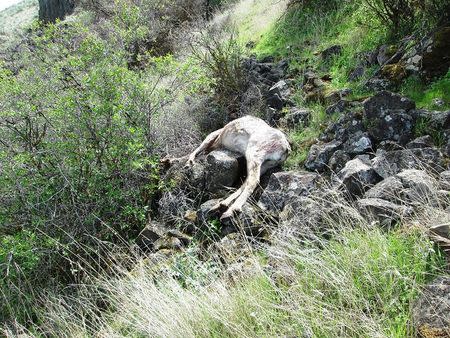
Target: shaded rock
295	117
279	95
430	58
389	163
337	108
320	154
431	312
395	73
345	127
432	120
331	51
421	142
444	180
390	189
284	187
357	177
384	211
338	160
51	10
336	95
418	186
386	117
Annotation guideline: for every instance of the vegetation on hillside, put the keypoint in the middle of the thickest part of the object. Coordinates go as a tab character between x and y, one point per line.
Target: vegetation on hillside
88	106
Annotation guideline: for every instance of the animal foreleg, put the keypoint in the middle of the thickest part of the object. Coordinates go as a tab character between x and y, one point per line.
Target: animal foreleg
207	143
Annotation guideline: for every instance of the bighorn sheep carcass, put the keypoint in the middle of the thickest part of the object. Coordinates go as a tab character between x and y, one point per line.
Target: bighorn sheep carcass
264	147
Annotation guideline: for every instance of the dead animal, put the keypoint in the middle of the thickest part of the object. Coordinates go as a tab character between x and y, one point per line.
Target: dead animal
264	148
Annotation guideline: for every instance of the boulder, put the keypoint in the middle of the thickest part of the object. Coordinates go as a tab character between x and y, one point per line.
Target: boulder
320	154
284	187
386	118
389	189
431	311
357	177
222	169
383	211
389	163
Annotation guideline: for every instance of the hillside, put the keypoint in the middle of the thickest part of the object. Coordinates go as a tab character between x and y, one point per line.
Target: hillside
316	206
16	18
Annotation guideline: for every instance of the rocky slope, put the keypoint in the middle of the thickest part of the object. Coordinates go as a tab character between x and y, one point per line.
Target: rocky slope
382	155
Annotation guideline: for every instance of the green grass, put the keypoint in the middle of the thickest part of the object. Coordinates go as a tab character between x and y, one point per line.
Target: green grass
361	283
303	137
425	94
304	31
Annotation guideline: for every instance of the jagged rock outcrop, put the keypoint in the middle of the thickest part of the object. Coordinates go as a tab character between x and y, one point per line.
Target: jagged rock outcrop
51	10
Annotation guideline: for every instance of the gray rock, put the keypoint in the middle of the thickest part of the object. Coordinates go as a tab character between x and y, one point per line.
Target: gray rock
383	211
295	117
320	154
222	170
385	101
421	142
279	95
337	108
338	160
419	187
358	143
148	236
389	189
444	180
357	177
284	187
389	163
431	311
386	118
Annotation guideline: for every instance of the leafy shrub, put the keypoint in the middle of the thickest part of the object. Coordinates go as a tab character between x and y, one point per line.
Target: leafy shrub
80	140
403	15
223	59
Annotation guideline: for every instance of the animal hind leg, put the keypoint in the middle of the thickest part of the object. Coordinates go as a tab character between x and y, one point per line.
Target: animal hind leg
252	181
